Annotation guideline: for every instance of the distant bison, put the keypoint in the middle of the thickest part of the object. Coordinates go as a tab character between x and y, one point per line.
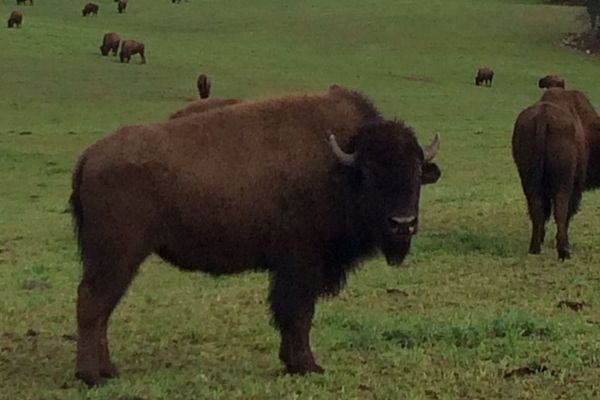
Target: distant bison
25	2
556	147
303	186
15	19
110	42
90	8
121	5
200	106
203	84
131	47
551	81
484	75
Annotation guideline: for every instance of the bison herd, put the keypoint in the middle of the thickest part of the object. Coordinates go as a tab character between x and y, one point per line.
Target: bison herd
303	186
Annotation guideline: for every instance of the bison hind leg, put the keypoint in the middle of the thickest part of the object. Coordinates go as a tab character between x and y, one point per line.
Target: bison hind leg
539	207
109	268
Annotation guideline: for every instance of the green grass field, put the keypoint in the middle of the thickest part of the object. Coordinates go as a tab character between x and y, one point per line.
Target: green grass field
468	306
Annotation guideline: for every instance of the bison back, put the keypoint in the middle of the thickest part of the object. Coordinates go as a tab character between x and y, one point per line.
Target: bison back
217	190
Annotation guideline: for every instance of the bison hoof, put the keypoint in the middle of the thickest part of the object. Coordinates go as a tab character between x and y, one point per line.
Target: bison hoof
564	254
535	250
305	369
108	371
90	379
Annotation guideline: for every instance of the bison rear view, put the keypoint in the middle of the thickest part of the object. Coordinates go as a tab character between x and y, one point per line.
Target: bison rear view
303	186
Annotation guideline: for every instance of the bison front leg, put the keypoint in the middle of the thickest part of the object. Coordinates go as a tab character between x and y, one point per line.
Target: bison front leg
292	300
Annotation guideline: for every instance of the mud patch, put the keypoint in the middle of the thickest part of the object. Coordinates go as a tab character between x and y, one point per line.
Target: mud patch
531	369
573	305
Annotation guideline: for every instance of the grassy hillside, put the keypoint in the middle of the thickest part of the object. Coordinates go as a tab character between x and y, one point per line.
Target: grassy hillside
469	306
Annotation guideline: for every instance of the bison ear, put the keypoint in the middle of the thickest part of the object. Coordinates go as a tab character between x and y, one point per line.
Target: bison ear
430	173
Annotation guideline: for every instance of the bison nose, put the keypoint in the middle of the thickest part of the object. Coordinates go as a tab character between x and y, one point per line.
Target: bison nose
403	225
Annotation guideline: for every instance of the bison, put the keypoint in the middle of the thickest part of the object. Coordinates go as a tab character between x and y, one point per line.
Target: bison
131	47
90	8
556	147
303	186
551	81
25	2
203	84
15	19
200	106
110	42
121	6
484	75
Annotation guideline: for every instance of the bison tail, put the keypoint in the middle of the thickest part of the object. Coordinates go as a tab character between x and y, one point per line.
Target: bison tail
75	202
539	155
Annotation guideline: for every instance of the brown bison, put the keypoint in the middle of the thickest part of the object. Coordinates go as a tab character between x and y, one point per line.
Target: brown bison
15	19
484	75
131	47
200	106
110	42
551	81
121	6
303	187
203	84
90	8
25	2
556	147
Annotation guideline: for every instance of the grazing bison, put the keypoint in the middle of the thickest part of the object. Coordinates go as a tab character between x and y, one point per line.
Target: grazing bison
556	147
551	81
15	19
110	42
200	106
25	2
131	47
121	6
90	8
303	186
484	75
203	84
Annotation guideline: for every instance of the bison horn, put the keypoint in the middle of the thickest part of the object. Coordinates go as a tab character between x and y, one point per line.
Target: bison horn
430	151
343	157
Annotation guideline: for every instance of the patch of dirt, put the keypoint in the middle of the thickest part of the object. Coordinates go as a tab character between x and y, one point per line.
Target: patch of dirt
525	371
415	78
31	333
31	285
573	305
395	291
587	42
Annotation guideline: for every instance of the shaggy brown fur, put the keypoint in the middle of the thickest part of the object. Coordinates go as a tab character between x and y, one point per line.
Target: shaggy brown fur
257	186
90	8
203	84
131	47
110	42
484	75
15	19
556	147
121	5
551	81
200	106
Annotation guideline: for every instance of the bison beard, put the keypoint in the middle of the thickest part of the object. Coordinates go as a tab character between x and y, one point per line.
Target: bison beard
303	186
556	147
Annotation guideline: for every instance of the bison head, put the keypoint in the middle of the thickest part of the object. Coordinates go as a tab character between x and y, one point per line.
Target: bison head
387	168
